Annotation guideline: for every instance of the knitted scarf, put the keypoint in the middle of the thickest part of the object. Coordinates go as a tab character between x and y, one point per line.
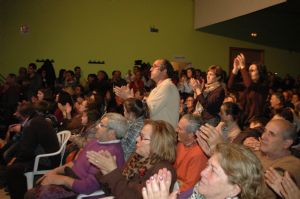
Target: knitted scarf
138	165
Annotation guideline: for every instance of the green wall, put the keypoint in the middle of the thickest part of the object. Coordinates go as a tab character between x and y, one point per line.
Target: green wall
72	32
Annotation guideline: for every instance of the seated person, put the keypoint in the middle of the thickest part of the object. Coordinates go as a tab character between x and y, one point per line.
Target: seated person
78	177
228	127
275	150
155	149
135	111
254	131
190	159
87	133
28	141
233	171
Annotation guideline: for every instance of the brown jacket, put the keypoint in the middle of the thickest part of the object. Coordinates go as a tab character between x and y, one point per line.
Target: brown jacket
122	188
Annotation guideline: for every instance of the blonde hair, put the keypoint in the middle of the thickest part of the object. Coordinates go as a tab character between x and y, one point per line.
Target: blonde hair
242	168
163	140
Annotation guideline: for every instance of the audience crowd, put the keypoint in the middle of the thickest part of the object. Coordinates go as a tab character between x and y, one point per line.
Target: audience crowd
154	133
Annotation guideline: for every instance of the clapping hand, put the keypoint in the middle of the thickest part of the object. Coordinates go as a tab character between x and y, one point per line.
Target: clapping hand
208	137
284	186
289	189
197	86
273	179
68	108
158	186
103	160
238	63
123	92
252	143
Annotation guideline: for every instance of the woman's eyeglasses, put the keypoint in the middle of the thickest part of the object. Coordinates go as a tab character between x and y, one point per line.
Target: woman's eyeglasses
142	137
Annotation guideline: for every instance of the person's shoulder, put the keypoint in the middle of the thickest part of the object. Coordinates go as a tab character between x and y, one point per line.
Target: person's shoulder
220	89
291	159
38	119
287	162
92	143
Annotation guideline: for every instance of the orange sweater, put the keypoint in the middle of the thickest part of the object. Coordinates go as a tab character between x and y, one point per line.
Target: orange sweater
190	161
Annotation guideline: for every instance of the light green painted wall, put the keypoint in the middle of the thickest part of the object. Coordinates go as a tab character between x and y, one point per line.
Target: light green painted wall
72	32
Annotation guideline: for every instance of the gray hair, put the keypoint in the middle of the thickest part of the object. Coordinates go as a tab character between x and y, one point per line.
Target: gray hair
194	122
118	123
288	129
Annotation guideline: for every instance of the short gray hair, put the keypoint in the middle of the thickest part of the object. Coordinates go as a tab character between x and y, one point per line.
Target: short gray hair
288	129
118	123
194	122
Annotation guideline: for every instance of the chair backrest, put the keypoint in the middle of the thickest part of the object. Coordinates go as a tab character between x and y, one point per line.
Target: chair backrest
63	137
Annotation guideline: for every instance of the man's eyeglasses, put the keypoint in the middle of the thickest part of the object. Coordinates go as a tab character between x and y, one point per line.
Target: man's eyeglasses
103	126
154	66
142	137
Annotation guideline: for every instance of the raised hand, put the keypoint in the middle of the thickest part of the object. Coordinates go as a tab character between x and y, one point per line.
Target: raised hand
252	143
208	137
203	144
238	63
158	186
123	92
68	107
196	85
211	135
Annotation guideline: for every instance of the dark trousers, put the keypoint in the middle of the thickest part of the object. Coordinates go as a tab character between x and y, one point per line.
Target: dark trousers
16	180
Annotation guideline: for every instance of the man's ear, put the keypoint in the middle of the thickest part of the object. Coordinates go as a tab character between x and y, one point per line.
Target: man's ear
288	143
112	134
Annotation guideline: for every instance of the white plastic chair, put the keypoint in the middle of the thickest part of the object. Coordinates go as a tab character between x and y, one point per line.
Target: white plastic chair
96	193
63	137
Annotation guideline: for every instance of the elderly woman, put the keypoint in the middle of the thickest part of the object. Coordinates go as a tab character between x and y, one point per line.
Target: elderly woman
210	96
155	149
233	171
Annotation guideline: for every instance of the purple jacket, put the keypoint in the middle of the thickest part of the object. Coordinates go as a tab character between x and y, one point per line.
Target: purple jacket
86	171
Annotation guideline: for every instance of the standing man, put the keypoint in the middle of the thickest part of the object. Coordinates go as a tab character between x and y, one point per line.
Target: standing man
78	76
33	83
163	100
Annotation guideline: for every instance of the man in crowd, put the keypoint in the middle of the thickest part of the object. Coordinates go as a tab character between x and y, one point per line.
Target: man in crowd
163	100
190	159
35	135
78	177
276	141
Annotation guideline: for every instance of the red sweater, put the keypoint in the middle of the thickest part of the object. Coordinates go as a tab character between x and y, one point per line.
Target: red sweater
190	161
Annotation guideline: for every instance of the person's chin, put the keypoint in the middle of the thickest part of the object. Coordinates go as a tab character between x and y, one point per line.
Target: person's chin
263	148
202	188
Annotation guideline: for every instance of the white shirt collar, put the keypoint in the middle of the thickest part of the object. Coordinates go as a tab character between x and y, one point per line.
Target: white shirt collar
109	142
